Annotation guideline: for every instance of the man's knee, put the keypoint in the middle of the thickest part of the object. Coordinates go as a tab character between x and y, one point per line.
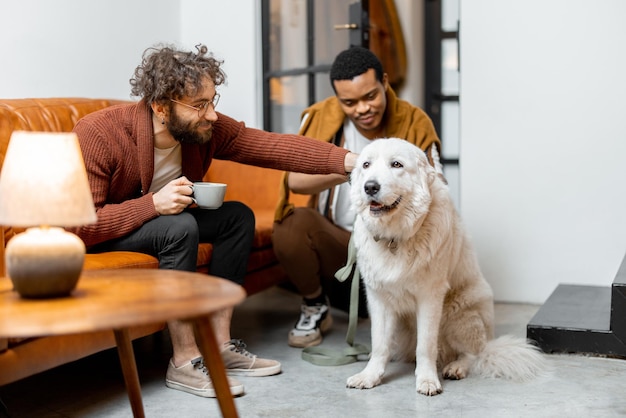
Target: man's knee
181	229
242	212
294	231
176	242
298	223
241	222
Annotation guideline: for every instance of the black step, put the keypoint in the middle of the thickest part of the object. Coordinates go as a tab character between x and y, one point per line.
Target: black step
618	303
583	319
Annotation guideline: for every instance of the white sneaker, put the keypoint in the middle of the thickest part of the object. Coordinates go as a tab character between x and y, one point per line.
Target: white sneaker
314	320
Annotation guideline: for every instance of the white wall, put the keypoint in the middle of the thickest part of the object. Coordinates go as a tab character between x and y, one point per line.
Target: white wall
231	30
543	141
542	125
89	48
61	48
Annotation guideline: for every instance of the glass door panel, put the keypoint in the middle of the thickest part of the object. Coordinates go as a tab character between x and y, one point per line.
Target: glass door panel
300	41
331	37
450	130
287	34
450	15
288	99
323	89
449	67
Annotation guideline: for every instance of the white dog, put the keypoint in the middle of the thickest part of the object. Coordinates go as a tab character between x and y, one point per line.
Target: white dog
426	295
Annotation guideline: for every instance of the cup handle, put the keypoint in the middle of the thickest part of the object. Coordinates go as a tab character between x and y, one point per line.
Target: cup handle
192	198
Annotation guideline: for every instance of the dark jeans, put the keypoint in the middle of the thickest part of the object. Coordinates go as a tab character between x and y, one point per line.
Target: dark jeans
174	239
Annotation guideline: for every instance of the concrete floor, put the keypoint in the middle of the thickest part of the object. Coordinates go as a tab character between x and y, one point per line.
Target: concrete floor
577	386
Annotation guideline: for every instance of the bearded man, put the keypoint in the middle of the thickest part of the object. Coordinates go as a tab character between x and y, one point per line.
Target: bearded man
142	159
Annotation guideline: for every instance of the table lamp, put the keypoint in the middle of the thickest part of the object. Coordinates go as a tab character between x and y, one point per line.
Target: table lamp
43	186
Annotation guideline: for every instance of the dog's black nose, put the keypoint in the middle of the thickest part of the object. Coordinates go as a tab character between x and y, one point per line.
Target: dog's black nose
371	187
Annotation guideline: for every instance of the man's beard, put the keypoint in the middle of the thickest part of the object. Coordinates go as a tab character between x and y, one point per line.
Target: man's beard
187	132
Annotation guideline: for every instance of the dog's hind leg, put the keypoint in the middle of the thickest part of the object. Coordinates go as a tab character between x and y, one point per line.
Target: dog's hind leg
384	325
465	335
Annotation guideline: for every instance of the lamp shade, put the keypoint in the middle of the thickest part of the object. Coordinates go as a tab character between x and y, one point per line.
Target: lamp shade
43	182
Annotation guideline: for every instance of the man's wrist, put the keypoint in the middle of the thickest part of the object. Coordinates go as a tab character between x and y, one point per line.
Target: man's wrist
349	162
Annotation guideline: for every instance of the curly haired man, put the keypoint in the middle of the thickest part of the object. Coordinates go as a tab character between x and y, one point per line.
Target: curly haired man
141	160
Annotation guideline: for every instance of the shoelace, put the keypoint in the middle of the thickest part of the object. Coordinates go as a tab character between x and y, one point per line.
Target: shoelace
238	346
198	363
308	312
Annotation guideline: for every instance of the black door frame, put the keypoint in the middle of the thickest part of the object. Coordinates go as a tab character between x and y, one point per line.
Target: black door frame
434	97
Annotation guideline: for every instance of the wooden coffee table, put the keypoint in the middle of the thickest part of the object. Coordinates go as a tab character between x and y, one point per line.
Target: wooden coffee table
118	299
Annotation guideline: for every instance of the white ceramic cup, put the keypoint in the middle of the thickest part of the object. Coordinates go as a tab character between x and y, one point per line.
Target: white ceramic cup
208	195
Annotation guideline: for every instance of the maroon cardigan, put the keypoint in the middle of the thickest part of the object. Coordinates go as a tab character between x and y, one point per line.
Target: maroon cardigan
118	149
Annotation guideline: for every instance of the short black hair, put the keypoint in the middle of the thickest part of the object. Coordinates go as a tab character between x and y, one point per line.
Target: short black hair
353	62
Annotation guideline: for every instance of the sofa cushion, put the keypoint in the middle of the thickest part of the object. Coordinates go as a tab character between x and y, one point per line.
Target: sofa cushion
127	259
119	260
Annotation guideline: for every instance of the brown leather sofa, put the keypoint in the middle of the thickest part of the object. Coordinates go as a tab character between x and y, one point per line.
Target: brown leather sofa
256	187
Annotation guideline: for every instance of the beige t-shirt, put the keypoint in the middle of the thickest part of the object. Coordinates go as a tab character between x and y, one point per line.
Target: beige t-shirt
167	166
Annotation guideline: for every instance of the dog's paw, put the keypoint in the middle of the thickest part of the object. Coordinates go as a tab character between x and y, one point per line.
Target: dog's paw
363	381
455	371
428	387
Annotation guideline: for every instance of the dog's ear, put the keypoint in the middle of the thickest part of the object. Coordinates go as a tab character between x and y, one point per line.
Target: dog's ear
427	171
433	154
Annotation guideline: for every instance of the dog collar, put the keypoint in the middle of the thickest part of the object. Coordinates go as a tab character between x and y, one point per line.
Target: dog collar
392	244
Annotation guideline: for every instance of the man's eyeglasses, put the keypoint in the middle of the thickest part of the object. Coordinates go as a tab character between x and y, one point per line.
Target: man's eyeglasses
203	107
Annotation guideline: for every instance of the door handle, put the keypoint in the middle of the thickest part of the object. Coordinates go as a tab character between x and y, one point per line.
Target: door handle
346	26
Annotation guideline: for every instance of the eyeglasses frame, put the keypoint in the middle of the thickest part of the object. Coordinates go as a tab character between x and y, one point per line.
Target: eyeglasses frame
201	109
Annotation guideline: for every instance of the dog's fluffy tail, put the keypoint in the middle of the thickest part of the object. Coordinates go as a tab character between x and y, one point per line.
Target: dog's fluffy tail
510	358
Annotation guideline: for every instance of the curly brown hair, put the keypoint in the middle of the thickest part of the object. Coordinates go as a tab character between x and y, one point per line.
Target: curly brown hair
167	73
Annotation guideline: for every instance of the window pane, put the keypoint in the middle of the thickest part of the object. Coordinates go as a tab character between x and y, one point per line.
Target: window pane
450	129
287	100
323	89
328	40
452	174
449	67
449	15
288	46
